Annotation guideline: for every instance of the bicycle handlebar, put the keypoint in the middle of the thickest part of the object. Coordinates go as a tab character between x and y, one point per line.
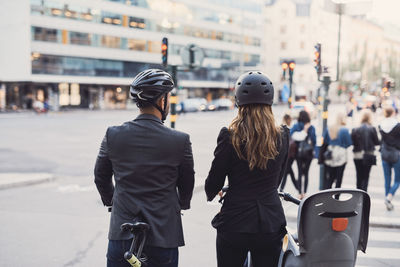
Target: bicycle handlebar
288	197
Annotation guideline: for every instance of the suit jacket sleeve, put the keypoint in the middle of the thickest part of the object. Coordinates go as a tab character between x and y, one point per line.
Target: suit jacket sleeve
103	173
285	151
185	182
220	165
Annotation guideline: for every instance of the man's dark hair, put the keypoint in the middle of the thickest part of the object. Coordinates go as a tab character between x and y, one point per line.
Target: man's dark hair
304	117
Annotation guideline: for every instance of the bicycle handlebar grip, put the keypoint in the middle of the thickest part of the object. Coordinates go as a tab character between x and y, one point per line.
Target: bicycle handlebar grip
133	261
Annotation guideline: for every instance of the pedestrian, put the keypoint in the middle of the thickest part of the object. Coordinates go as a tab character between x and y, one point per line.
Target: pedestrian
303	133
336	139
390	152
287	120
253	154
153	173
364	138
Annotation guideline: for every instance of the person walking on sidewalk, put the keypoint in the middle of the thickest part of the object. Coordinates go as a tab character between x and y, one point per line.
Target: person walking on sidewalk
364	138
303	133
153	173
336	139
390	153
287	120
253	154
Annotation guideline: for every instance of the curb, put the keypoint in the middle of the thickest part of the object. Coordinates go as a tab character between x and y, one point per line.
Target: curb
293	218
27	182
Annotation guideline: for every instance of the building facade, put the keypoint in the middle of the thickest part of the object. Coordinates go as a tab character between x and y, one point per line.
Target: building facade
368	51
84	53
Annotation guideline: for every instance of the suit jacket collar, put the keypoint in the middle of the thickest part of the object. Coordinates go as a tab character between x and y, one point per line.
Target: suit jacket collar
148	117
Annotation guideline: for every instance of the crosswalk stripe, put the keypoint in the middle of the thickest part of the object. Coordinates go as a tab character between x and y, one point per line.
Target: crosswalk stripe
384	236
381	253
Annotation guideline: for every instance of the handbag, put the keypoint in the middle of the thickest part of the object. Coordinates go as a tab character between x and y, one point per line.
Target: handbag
338	156
368	158
292	148
389	154
305	149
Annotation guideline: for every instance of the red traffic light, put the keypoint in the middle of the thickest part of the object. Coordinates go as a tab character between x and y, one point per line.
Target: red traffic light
164	47
292	65
285	66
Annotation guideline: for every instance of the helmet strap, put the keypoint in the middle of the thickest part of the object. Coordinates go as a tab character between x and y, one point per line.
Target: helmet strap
162	111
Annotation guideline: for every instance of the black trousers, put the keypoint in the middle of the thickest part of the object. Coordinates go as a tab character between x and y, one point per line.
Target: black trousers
304	166
334	175
362	171
232	249
289	171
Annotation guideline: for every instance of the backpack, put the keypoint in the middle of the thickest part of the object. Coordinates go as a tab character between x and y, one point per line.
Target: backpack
389	153
305	149
337	156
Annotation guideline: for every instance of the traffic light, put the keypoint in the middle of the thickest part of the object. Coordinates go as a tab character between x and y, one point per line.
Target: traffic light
292	65
317	59
284	68
164	51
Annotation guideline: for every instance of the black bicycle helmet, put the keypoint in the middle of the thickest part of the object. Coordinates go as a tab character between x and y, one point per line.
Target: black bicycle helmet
254	87
149	85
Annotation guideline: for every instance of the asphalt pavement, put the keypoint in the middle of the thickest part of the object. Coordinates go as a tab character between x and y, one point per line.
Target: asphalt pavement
61	221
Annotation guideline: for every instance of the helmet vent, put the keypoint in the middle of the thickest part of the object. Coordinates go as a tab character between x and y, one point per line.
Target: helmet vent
263	83
259	72
266	91
239	83
248	83
245	92
270	83
250	72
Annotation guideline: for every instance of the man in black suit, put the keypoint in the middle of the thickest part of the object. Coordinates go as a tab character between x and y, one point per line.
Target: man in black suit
153	172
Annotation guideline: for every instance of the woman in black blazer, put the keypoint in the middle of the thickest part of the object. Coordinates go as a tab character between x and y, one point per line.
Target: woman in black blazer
252	153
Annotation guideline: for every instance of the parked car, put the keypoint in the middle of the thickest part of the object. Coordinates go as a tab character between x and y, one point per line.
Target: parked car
303	105
192	105
220	104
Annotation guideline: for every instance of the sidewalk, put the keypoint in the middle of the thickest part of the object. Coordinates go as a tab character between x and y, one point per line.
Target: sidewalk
379	216
10	180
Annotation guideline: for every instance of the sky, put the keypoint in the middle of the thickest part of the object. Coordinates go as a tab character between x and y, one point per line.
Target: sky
386	11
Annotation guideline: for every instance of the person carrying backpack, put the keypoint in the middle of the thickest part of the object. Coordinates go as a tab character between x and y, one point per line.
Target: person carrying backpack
390	153
337	139
303	133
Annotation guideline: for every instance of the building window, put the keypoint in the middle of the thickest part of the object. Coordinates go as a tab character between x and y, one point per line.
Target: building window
303	10
138	45
283	45
283	29
80	38
111	42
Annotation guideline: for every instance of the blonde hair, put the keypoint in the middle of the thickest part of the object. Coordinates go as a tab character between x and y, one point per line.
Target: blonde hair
334	129
388	111
366	116
254	129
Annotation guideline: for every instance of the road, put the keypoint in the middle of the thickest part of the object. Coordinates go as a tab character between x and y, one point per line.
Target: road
63	223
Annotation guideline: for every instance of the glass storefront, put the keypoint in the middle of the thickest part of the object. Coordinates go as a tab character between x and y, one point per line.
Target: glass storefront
60	65
79	38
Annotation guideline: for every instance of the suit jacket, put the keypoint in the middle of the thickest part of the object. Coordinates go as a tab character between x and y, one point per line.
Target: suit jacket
252	204
154	178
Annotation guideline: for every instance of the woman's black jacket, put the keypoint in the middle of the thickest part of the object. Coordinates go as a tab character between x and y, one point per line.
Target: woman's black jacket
252	204
364	138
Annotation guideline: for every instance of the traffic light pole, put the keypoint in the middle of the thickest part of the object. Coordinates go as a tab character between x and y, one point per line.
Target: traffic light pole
290	89
174	97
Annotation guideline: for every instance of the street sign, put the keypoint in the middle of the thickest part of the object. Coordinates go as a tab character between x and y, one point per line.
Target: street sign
192	56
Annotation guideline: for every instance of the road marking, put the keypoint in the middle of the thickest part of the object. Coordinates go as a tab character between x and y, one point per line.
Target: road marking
384	236
75	188
381	253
